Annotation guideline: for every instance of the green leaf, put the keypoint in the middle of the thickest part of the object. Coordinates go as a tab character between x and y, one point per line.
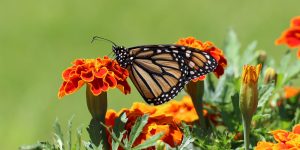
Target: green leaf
260	116
38	146
79	135
149	142
58	135
265	92
116	144
69	133
231	49
293	71
219	93
285	61
137	128
187	140
248	55
114	137
119	124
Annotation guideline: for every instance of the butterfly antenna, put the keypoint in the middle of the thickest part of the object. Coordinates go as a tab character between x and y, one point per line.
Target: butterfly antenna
98	37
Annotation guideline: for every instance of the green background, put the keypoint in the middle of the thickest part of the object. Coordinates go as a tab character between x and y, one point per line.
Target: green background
39	39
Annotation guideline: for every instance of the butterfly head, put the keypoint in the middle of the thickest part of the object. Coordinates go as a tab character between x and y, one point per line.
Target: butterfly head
121	55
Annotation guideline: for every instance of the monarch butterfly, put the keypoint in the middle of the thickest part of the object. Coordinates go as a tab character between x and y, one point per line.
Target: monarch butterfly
159	72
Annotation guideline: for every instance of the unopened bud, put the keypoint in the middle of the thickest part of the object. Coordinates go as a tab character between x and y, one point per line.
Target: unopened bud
270	75
262	57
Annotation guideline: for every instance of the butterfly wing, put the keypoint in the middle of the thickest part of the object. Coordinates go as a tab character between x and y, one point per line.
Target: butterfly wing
198	62
159	72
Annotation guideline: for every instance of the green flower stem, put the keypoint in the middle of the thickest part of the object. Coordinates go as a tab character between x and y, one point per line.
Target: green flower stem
97	106
246	125
196	91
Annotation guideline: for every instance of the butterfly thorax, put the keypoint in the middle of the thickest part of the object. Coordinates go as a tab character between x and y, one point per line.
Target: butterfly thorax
122	55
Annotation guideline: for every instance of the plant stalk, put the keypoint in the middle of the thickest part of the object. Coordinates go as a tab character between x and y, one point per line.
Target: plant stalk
196	91
97	106
246	126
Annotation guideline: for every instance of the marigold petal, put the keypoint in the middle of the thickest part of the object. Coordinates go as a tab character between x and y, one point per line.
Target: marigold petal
295	22
298	54
296	129
67	73
110	117
124	87
97	86
101	72
264	146
280	135
291	91
110	80
200	78
73	85
290	37
87	76
79	62
61	91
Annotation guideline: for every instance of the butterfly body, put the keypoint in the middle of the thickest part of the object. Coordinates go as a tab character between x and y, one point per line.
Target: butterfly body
159	72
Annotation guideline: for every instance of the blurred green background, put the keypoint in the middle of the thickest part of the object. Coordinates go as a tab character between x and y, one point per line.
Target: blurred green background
39	39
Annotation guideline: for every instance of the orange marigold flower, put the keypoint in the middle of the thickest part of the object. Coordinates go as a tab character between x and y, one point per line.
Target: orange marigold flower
291	36
99	74
291	91
156	123
285	139
211	49
298	54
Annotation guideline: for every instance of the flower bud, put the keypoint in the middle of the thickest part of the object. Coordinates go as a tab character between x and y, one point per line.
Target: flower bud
160	145
270	75
249	91
249	98
97	105
262	57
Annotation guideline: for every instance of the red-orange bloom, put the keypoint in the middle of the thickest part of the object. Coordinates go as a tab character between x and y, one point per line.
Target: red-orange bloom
291	36
99	74
164	118
285	140
156	123
291	91
211	49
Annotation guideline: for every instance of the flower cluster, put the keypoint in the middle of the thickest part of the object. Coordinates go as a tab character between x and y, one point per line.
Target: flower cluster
291	36
207	47
99	74
284	139
156	123
164	118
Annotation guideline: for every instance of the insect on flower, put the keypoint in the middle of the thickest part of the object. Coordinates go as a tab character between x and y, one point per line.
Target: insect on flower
160	72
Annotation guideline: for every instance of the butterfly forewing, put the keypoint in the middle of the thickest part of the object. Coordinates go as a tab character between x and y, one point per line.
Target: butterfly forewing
159	72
